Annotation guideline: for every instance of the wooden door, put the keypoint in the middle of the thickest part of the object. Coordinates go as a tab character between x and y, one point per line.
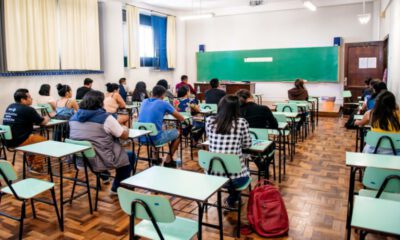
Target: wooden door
363	60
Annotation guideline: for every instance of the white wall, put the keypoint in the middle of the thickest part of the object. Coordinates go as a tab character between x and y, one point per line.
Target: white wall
280	29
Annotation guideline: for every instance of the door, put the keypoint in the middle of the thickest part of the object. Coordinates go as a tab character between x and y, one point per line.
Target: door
362	61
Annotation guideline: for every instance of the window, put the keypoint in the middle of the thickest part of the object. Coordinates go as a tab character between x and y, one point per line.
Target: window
146	41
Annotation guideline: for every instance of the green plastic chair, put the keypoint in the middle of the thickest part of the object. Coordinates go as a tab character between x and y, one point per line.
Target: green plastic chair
23	190
208	106
381	183
383	140
262	134
157	215
47	108
346	94
228	164
7	136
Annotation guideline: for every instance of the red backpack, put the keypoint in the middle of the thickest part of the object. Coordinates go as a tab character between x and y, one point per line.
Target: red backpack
266	211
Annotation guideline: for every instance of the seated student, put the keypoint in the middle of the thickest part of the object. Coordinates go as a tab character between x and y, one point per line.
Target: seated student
299	92
184	104
140	92
92	123
87	86
113	101
184	82
21	118
214	94
153	110
123	88
65	105
45	98
168	94
384	117
377	88
368	88
258	116
228	133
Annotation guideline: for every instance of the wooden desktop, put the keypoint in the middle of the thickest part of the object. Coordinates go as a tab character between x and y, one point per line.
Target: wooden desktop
229	87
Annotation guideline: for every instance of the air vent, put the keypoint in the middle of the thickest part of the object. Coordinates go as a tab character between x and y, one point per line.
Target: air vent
254	3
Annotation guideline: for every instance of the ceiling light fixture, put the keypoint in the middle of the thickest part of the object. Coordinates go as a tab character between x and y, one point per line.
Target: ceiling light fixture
310	5
364	18
254	3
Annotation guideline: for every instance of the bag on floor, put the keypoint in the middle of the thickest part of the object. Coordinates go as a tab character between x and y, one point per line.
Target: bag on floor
266	211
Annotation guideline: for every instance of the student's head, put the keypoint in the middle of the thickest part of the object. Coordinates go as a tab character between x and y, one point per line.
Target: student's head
228	113
92	100
22	96
44	90
64	90
384	112
122	81
184	78
378	88
244	96
368	81
373	82
299	83
140	86
183	92
214	83
159	92
88	82
112	87
163	83
140	92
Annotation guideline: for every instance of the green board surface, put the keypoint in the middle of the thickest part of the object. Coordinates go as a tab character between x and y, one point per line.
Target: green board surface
316	64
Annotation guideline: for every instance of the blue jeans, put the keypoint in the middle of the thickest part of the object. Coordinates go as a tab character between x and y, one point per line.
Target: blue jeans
124	172
163	137
233	194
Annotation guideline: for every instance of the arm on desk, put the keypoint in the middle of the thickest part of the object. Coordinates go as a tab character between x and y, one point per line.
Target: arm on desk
46	119
364	120
178	116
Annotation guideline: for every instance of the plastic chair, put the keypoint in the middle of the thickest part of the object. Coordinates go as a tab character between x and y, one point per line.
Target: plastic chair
208	106
263	159
379	140
229	165
23	190
7	136
48	109
158	218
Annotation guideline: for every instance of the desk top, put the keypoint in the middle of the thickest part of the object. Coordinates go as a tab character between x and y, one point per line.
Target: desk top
2	131
258	146
390	162
282	125
288	114
376	214
172	118
52	149
358	117
53	122
37	107
190	185
135	133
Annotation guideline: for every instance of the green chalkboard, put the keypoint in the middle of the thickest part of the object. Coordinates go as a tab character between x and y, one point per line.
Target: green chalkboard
315	64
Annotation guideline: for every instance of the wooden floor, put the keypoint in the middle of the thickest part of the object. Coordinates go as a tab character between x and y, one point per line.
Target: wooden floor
314	190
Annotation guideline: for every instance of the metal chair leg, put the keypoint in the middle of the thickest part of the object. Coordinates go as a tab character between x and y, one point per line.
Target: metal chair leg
88	190
53	196
33	208
239	216
96	200
73	187
21	220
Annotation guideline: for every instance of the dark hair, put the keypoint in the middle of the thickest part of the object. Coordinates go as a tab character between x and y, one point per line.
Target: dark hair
92	100
87	81
63	89
20	94
184	77
243	95
228	113
121	80
163	83
368	81
299	83
44	90
182	91
111	87
214	82
378	88
158	91
384	113
140	92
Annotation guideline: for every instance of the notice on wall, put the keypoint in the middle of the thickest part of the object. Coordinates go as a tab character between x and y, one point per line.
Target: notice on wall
367	63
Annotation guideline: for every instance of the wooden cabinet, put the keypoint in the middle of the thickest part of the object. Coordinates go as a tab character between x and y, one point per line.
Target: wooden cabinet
230	88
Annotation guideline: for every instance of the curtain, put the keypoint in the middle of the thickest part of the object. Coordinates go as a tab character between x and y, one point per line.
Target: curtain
80	38
171	41
30	34
159	25
133	36
3	58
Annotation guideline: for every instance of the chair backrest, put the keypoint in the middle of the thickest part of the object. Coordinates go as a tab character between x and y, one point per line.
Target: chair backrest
346	94
90	153
7	135
280	118
208	106
374	178
231	162
159	206
383	140
259	133
146	126
287	107
8	171
47	106
300	102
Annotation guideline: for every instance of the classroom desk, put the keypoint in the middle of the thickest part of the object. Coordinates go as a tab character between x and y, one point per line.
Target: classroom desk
362	160
184	184
315	110
292	117
129	108
360	133
170	118
137	133
56	150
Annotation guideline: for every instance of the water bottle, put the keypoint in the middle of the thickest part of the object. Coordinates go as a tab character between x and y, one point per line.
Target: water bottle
178	161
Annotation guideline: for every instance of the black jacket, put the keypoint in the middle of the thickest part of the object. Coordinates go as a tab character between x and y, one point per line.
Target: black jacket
258	116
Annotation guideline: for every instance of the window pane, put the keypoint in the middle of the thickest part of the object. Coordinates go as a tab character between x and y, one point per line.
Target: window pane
146	41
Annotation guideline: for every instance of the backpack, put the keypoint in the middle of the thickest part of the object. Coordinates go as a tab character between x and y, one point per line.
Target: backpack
266	211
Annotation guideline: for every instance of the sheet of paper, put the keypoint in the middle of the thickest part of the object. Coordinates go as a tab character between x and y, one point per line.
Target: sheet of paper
362	63
372	62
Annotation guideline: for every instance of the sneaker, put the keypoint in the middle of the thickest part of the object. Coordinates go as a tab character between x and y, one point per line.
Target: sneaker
171	164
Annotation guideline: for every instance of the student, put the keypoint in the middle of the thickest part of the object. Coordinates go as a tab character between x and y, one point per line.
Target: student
257	116
168	94
299	92
21	118
123	88
214	94
140	92
377	88
65	105
92	123
153	110
45	98
368	88
184	82
384	117
113	101
228	133
184	104
87	86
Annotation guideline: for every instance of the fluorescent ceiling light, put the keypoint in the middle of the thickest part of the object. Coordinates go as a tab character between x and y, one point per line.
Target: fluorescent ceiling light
198	16
310	5
364	18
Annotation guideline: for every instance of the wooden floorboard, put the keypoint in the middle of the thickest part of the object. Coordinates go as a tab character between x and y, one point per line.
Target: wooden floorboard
314	191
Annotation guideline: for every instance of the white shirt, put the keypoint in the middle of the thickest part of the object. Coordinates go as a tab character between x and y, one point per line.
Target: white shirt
112	126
